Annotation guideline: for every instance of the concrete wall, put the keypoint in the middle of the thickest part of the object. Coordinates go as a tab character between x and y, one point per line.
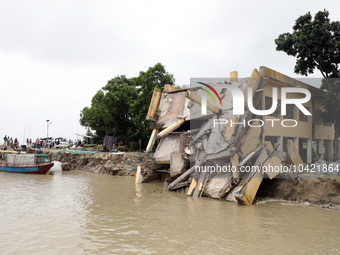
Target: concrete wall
303	130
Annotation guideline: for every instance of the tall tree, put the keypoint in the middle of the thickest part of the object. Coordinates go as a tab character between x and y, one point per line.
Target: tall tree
120	107
316	45
154	77
98	116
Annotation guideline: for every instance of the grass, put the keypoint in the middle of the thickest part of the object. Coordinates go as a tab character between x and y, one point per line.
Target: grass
332	194
258	199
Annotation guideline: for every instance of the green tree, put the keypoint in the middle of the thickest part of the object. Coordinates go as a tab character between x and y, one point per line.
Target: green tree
154	77
316	45
98	116
120	93
120	107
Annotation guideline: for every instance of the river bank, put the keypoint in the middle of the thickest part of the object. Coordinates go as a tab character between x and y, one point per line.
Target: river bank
121	164
320	190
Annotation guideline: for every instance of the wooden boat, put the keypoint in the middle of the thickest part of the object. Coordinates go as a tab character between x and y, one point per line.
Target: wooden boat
25	163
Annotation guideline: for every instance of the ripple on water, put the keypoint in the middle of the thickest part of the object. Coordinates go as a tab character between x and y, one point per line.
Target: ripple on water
81	213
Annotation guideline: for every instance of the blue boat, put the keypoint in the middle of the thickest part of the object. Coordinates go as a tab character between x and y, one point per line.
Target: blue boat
25	163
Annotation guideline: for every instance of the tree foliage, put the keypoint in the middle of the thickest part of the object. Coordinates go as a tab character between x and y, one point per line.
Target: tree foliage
155	77
120	107
316	45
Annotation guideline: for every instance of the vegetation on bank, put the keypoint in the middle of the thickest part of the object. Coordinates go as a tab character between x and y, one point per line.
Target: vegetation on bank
316	45
119	108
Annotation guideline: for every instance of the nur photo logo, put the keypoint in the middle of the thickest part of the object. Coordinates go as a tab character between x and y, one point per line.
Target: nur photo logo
238	99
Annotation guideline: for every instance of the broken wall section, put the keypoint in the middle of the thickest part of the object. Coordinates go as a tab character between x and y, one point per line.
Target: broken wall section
218	140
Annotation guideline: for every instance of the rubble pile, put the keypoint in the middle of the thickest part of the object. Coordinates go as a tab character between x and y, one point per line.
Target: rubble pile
217	154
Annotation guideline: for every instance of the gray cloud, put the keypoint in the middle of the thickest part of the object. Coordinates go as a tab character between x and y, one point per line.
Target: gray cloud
56	54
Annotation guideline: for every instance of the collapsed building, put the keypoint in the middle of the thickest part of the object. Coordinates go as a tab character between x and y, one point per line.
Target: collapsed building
209	149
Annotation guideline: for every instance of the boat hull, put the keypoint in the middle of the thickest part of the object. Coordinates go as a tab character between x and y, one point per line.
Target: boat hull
28	150
37	169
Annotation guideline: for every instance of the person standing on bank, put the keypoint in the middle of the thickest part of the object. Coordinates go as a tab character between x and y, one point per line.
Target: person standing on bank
317	157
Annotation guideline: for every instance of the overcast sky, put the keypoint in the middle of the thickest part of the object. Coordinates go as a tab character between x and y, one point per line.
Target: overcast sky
55	55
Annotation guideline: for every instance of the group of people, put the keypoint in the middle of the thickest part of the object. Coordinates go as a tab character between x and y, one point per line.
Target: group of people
38	143
9	142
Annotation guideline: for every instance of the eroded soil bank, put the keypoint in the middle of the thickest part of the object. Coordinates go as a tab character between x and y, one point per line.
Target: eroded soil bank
124	164
316	190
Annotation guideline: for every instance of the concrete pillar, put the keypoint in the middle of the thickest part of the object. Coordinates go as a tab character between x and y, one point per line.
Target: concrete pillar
328	149
296	143
233	76
320	146
309	150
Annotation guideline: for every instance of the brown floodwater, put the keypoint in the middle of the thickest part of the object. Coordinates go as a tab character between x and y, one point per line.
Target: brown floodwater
83	213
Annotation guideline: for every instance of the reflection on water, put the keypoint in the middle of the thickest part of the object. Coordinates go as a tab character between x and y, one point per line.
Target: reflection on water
83	213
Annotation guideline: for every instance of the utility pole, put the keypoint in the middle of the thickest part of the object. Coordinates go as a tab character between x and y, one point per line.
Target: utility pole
48	123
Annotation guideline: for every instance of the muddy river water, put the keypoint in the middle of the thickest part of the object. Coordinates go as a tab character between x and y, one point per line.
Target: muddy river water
83	213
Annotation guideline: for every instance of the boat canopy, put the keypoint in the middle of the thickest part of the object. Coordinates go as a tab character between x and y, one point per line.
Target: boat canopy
20	159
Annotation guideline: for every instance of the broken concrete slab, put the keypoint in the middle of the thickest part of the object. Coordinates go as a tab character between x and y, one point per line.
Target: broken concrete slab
217	183
273	166
253	83
201	180
171	108
293	153
231	142
185	175
177	163
250	189
230	195
229	131
247	193
166	146
217	141
252	139
205	129
235	162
